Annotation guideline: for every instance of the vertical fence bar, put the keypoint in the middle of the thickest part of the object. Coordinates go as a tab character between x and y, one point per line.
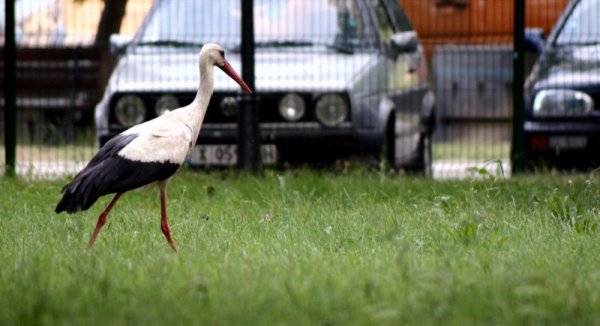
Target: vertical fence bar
518	141
10	88
248	128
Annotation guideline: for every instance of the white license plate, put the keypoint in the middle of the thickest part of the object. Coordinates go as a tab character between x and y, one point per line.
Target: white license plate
568	142
223	155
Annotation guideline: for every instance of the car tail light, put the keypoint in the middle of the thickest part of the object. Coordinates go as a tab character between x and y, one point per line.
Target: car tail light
540	142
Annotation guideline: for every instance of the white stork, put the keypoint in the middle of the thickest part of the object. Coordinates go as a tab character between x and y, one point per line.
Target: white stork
148	153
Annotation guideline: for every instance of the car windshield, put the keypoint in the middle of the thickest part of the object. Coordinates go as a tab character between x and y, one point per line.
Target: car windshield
582	27
329	24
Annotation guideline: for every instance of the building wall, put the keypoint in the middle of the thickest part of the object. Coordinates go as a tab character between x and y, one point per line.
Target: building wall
476	21
70	22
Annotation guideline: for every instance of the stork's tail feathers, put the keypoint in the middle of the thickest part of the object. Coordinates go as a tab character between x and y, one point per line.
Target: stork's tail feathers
80	194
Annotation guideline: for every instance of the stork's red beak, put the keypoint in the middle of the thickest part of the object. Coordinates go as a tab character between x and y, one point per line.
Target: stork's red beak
234	75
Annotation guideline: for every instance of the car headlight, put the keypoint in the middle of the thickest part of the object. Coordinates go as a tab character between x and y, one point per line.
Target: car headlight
562	102
331	110
292	107
165	104
130	110
229	106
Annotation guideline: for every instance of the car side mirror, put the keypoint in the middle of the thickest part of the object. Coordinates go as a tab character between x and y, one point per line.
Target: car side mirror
119	43
534	40
403	42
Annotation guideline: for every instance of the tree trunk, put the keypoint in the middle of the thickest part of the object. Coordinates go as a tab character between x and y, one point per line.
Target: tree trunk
110	21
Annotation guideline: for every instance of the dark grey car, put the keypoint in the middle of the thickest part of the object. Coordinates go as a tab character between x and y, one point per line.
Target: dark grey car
562	125
333	79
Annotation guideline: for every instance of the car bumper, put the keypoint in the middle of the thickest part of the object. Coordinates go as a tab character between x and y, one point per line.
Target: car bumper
563	144
297	142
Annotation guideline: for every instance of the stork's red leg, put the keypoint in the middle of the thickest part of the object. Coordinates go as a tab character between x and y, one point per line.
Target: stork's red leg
164	225
102	220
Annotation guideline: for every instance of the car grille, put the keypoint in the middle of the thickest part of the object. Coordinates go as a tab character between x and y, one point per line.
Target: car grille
595	94
268	106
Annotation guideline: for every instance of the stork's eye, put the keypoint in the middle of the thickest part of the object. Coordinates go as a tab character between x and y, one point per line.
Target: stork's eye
222	53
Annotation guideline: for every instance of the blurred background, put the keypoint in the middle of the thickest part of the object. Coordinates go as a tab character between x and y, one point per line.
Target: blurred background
64	62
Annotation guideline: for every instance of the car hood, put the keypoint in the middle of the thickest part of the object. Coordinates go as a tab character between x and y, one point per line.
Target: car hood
273	71
568	67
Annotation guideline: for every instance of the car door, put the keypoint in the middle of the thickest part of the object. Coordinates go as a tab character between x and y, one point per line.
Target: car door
407	74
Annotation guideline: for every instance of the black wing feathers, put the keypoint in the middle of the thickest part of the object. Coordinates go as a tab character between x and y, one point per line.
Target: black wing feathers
108	173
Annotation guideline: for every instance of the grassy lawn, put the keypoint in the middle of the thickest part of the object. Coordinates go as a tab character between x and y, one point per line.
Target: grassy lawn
306	247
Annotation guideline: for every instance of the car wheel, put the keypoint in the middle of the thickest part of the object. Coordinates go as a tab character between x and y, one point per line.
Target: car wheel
425	159
390	141
422	162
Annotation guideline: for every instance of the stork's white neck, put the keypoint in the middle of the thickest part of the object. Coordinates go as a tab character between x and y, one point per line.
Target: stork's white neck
206	87
193	114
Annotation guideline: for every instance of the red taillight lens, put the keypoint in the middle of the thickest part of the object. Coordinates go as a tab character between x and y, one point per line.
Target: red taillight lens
539	142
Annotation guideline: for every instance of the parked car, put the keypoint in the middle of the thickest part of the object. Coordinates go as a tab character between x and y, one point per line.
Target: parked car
562	124
333	79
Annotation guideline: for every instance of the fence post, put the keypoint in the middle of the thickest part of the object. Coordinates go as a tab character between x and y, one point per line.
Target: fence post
248	127
518	141
10	90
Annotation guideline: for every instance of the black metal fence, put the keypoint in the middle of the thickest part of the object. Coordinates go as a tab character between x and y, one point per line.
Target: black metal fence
467	64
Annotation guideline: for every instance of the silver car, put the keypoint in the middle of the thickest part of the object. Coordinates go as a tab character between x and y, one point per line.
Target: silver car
334	79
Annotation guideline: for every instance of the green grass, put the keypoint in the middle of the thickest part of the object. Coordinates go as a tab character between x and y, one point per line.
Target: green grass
306	247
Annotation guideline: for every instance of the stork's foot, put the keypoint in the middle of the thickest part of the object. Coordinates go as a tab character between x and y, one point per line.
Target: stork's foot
167	232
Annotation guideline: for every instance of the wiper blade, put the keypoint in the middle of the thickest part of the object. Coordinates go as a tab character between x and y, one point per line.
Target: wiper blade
300	43
578	43
276	44
171	43
282	44
340	48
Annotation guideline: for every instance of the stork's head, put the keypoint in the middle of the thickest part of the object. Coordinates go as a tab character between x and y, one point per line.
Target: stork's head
215	54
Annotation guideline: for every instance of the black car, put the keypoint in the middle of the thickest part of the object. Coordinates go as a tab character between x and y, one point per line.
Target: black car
562	93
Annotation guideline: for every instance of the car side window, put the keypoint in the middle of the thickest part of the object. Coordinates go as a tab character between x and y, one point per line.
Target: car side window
399	17
385	26
582	26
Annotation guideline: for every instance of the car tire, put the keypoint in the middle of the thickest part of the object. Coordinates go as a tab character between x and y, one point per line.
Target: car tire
424	163
389	144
